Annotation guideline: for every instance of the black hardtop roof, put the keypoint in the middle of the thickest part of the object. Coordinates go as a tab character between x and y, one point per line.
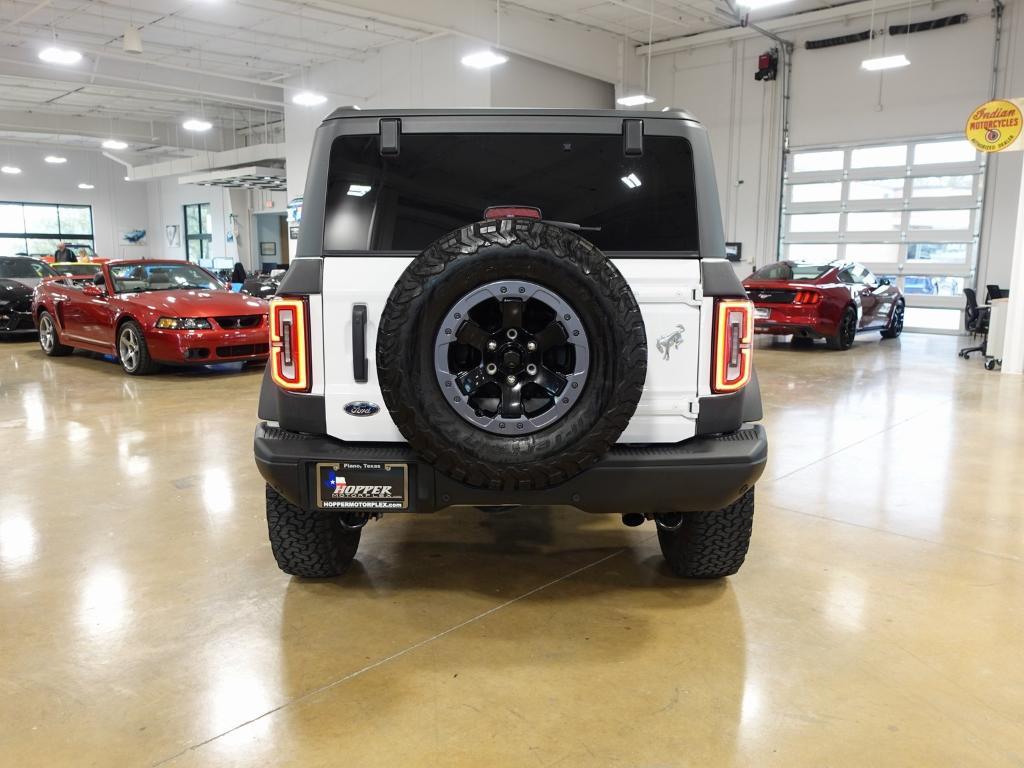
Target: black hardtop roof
670	114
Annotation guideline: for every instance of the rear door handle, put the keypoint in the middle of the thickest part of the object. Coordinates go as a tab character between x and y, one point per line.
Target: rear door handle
359	364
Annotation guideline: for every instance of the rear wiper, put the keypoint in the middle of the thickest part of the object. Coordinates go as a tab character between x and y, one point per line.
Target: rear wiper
572	225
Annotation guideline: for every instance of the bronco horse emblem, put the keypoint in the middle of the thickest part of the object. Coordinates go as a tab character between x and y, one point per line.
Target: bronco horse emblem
670	341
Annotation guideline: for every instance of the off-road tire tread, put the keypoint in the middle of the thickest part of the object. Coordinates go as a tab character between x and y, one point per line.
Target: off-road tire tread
710	545
309	544
579	449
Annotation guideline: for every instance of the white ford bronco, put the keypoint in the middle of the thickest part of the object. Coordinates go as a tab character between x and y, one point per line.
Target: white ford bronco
495	308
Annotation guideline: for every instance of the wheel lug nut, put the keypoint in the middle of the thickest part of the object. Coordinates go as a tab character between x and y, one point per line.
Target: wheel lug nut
531	369
491	369
492	345
512	333
510	379
532	346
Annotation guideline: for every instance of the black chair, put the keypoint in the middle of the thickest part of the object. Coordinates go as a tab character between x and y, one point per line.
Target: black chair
975	321
995	292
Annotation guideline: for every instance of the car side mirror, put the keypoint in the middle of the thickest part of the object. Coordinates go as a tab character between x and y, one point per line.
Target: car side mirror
94	290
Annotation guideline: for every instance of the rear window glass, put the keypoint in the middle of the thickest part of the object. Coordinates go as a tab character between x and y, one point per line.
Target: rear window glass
787	270
440	182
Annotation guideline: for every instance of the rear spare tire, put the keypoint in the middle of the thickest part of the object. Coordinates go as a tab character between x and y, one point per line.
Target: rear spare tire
511	354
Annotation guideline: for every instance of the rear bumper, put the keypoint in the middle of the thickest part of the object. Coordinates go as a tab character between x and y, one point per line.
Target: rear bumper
703	473
796	319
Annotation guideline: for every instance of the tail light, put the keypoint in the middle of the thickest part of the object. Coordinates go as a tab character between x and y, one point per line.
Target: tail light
734	333
289	344
807	297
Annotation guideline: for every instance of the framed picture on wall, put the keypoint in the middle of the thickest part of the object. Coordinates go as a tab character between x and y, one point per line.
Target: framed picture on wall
734	251
268	249
173	232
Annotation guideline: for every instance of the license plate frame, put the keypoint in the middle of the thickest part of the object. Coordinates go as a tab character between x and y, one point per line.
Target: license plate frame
367	485
762	313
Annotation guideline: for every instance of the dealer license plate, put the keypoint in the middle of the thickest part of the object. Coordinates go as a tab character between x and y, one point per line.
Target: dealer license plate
762	313
362	485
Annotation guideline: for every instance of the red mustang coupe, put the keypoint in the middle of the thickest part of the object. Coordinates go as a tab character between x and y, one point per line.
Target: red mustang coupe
831	301
148	312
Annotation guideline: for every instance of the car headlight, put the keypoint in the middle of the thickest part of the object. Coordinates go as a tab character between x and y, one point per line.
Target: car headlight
184	323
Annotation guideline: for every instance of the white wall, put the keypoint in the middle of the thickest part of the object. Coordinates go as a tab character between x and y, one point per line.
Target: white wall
525	82
833	102
116	204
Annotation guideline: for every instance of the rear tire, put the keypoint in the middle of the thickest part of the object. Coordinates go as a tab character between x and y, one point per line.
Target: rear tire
895	325
310	544
845	332
49	337
710	545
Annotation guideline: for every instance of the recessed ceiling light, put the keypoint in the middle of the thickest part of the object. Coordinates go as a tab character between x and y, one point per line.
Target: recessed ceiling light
56	55
358	190
483	59
55	159
308	99
83	185
885	62
11	169
632	181
756	4
114	144
194	124
635	100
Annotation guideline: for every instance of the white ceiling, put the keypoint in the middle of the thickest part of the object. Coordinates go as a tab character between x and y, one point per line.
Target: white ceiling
219	57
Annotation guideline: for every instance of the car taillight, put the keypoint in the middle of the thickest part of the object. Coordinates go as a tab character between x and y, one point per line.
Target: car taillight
289	344
807	297
734	333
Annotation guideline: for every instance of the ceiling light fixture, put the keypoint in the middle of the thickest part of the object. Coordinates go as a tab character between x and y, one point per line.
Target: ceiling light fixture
56	55
11	169
194	124
755	5
308	99
132	40
635	100
639	99
55	159
83	185
632	181
483	59
885	62
358	190
114	144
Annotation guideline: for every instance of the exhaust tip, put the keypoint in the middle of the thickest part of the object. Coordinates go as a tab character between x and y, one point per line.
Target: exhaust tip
633	519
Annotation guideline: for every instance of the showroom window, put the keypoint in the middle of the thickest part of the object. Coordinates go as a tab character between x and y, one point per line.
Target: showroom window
34	229
198	233
909	211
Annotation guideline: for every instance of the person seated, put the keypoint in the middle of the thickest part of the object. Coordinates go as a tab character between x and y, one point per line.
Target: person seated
83	256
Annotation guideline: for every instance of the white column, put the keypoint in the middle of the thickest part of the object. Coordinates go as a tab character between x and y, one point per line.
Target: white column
1013	344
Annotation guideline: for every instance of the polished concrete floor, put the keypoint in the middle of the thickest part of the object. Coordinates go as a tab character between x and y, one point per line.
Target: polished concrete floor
879	620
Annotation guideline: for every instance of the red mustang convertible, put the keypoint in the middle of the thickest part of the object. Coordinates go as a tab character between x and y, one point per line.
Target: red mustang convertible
834	301
149	312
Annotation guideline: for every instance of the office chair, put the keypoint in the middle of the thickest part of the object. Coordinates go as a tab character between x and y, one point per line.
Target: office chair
975	321
994	292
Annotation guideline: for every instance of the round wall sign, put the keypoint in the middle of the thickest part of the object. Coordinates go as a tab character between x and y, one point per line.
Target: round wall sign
995	125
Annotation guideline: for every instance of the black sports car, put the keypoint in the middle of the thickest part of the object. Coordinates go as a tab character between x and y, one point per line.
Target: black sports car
19	275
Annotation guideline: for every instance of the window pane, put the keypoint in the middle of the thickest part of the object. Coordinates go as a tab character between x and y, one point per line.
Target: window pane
42	246
943	253
195	250
818	161
879	157
873	252
12	246
814	252
191	219
75	220
11	218
943	186
958	151
933	285
205	219
876	189
814	222
873	221
41	219
935	319
940	219
816	193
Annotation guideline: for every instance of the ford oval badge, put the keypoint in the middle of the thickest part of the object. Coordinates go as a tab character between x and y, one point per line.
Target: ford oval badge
361	408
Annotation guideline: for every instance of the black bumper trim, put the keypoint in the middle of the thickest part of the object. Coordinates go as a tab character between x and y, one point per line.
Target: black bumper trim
704	473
